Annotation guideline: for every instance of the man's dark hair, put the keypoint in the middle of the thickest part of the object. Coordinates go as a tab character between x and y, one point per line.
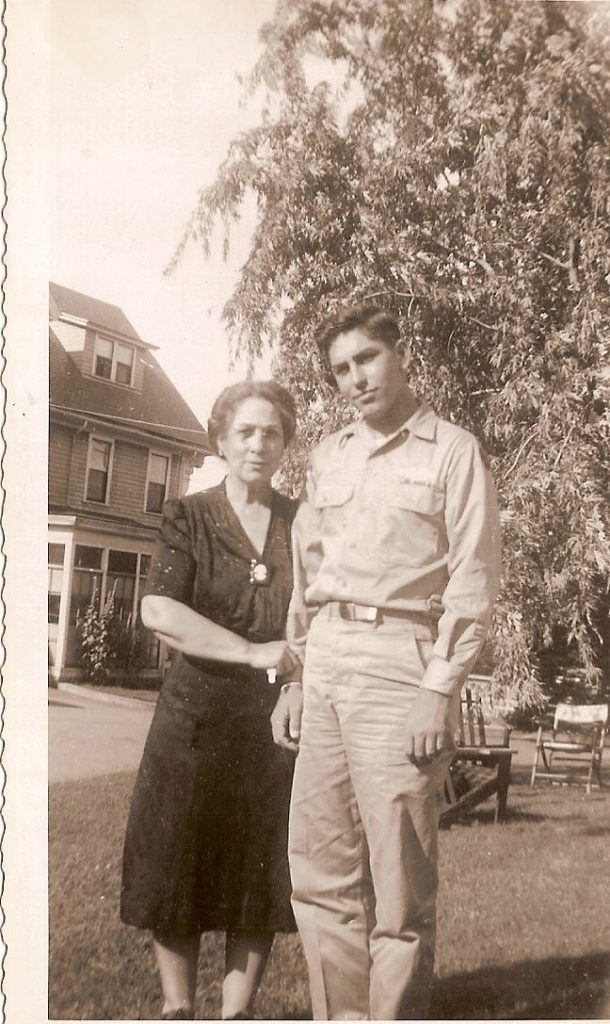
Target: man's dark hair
377	323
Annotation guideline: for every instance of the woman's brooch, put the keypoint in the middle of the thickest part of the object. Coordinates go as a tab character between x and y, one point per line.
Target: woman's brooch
258	572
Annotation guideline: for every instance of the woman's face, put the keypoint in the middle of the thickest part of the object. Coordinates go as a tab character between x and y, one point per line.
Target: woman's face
253	444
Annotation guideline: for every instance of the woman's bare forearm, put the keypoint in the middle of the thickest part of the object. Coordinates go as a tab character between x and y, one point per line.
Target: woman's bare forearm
186	630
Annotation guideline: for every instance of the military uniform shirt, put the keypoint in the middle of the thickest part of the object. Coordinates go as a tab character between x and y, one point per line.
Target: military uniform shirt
389	521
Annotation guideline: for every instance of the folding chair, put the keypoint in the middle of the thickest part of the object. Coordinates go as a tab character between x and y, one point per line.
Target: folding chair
576	741
481	766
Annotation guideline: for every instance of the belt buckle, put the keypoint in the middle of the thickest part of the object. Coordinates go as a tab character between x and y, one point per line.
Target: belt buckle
367	613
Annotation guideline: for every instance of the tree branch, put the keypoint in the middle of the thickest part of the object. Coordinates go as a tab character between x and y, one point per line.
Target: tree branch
563	444
571	264
489	327
379	295
553	259
528	437
479	260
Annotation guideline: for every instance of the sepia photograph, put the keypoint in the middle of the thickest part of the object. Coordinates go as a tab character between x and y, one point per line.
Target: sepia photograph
322	439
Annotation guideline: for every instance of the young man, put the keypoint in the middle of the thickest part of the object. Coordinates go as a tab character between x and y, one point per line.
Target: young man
400	506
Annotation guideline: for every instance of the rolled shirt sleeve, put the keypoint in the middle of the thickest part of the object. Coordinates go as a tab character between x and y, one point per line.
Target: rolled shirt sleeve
474	544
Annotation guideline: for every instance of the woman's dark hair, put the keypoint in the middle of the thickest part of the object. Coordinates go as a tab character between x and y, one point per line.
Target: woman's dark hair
228	400
377	323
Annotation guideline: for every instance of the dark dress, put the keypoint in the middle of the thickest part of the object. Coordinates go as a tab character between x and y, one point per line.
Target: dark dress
206	843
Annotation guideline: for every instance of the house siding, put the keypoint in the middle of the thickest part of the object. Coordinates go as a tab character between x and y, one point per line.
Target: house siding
72	337
78	468
138	374
60	456
175	478
128	478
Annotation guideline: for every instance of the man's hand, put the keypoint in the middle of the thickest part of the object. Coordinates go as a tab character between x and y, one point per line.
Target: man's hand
435	605
286	717
429	727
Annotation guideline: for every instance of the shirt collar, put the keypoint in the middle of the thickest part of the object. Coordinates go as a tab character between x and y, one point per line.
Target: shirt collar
423	423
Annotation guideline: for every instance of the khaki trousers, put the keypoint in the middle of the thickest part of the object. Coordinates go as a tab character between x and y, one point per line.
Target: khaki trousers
364	823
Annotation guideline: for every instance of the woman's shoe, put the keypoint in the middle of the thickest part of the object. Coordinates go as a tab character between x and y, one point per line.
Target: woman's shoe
182	1014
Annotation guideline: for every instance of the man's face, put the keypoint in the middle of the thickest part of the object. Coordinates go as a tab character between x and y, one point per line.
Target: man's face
369	374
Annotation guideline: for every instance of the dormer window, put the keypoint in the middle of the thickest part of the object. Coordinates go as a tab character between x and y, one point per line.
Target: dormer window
113	360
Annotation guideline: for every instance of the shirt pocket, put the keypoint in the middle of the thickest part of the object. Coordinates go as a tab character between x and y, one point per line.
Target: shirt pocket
332	503
332	491
414	513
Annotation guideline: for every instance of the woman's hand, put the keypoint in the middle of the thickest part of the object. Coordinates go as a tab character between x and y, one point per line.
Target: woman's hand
276	654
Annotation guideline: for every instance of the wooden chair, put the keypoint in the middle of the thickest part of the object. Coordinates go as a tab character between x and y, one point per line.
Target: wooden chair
480	768
576	741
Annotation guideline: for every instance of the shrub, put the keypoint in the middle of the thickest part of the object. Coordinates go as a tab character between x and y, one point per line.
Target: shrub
109	639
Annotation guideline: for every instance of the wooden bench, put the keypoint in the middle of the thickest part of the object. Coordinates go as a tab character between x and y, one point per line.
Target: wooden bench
482	763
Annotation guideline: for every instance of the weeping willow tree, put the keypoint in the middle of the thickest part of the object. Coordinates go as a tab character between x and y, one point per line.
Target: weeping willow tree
450	161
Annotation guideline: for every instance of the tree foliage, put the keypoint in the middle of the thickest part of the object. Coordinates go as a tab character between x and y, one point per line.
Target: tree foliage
450	161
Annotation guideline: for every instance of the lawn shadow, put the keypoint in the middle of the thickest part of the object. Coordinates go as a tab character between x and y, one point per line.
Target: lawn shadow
564	988
485	816
597	830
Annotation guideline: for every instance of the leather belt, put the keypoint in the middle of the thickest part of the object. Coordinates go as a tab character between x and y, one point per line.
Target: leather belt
353	612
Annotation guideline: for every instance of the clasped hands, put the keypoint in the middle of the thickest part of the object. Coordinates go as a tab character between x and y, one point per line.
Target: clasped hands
286	717
275	655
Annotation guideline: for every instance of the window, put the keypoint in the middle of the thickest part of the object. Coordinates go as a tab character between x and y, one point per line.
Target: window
123	562
113	360
56	576
87	558
86	579
56	554
123	364
103	358
156	485
98	470
100	572
121	581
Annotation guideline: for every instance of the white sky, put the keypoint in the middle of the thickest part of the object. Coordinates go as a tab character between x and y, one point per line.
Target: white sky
144	102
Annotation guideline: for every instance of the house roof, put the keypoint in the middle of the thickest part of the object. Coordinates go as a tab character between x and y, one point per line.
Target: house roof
102	314
158	409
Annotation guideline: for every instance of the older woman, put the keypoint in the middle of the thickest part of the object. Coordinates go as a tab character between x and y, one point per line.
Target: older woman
207	833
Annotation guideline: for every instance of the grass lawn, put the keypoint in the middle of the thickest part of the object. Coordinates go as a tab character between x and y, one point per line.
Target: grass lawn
524	928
